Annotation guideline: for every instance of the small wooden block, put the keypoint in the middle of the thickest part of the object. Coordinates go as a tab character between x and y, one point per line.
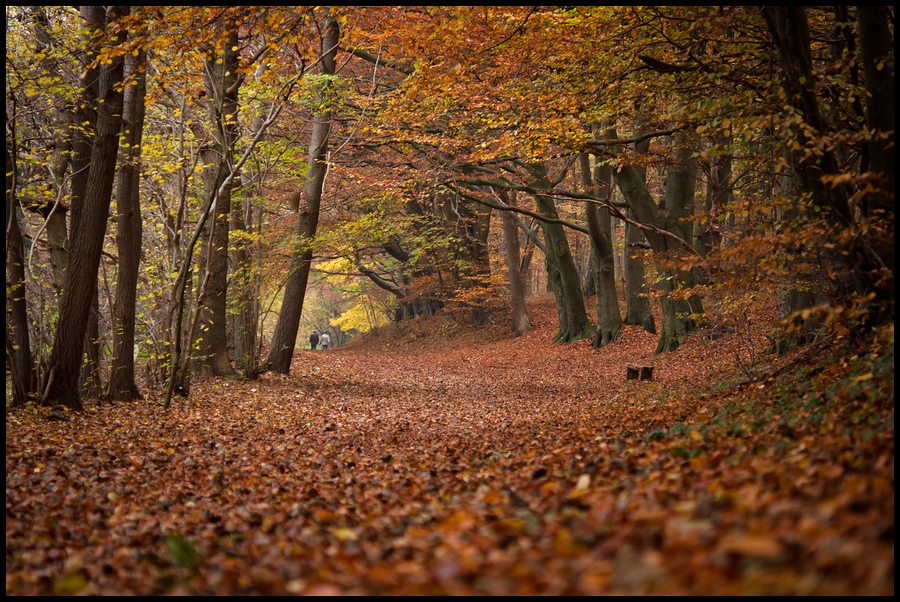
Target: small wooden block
633	371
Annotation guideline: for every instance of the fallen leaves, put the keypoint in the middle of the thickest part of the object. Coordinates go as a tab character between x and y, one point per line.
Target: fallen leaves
374	471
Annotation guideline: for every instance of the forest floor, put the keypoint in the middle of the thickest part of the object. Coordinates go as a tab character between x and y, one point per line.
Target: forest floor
433	459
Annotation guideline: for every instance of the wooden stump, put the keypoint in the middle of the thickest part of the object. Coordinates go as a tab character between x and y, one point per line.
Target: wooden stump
633	371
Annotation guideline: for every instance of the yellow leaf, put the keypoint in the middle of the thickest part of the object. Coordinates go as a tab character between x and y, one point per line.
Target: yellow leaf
345	534
584	481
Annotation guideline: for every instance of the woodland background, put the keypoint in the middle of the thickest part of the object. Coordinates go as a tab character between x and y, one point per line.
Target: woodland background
493	211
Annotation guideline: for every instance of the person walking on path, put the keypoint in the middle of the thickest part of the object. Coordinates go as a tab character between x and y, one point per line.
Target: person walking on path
325	341
313	339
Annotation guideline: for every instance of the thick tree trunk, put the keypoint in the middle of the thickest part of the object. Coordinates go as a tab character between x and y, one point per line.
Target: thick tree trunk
598	181
677	207
221	80
877	46
129	234
676	321
855	269
638	311
561	271
284	338
61	380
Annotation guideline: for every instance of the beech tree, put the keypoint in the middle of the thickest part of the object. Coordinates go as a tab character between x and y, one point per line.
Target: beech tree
220	78
285	336
862	263
749	153
609	318
89	215
129	231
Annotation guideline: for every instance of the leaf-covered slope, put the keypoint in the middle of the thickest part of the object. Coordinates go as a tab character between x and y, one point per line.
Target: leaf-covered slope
428	465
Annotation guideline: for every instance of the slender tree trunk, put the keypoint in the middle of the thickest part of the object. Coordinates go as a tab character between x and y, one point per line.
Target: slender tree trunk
284	338
244	275
91	383
244	293
61	380
637	304
63	152
521	323
18	346
129	234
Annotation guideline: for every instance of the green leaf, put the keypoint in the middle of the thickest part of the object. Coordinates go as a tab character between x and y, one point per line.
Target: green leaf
183	552
70	583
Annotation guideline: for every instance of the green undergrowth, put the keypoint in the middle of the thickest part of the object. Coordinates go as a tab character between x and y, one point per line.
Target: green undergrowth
843	393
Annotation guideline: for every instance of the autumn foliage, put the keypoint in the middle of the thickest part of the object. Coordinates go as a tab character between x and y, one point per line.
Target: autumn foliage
499	214
434	459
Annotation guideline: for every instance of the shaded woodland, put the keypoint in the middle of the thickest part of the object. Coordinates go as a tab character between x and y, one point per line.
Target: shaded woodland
498	214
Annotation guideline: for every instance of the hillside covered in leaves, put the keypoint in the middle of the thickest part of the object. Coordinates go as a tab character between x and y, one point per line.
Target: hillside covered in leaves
431	459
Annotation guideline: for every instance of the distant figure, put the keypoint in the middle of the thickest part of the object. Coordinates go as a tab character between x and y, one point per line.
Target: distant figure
313	339
325	340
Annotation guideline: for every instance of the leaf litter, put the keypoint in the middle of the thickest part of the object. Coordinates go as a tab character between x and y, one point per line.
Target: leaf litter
421	462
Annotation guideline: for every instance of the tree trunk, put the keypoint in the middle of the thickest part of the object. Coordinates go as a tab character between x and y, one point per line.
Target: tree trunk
854	269
676	321
521	323
637	304
63	152
244	295
18	346
609	319
91	383
245	281
284	338
677	207
221	80
129	235
61	380
638	311
561	271
877	46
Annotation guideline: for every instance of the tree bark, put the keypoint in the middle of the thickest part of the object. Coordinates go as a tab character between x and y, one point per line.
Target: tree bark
129	234
638	311
63	152
90	216
221	80
598	181
857	268
521	323
284	338
18	346
561	271
245	278
877	46
676	321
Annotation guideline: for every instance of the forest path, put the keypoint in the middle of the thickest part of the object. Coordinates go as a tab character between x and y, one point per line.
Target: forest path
484	466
